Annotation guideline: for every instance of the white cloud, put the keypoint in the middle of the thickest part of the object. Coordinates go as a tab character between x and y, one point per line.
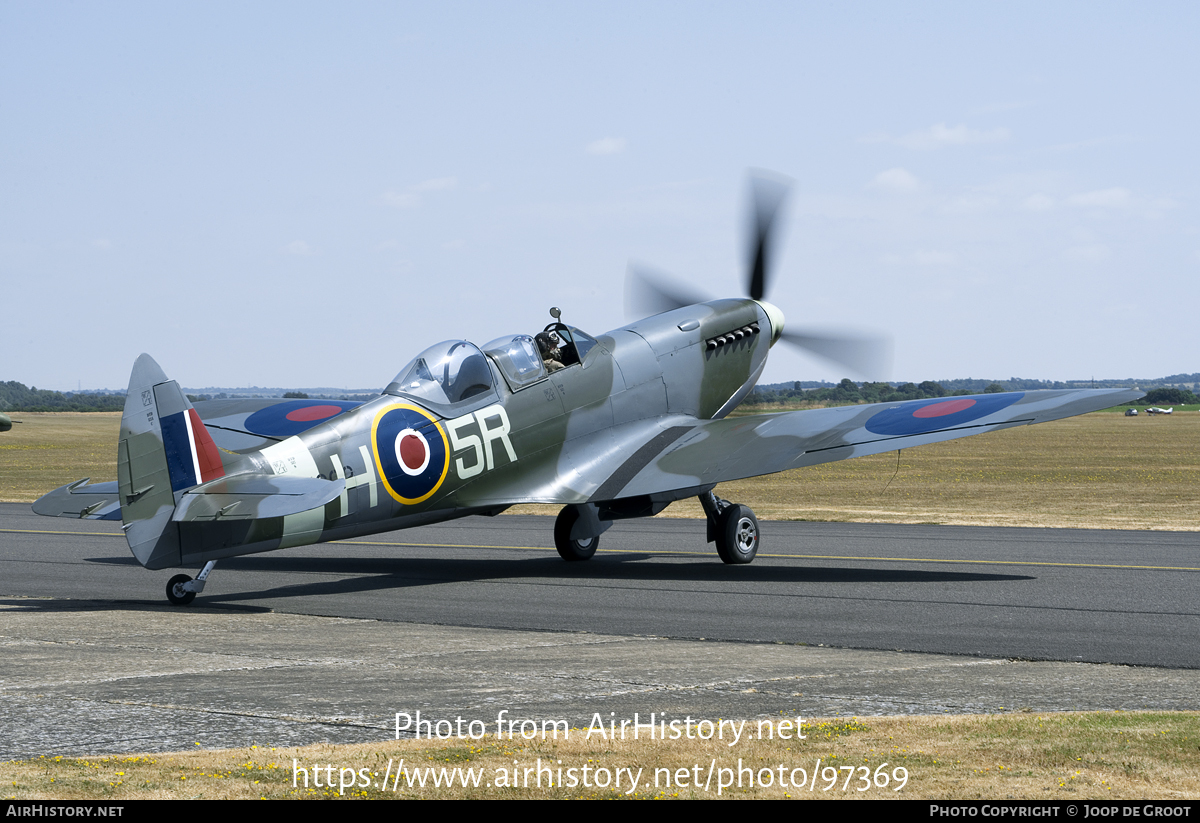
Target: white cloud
1087	144
935	258
972	204
410	197
1157	208
399	199
436	184
1104	198
1088	254
606	145
298	247
999	107
940	135
921	258
896	180
1038	202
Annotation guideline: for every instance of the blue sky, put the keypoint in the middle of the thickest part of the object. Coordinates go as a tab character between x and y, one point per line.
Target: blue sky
294	194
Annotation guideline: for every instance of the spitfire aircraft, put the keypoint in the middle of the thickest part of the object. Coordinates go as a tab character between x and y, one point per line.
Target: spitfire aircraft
609	426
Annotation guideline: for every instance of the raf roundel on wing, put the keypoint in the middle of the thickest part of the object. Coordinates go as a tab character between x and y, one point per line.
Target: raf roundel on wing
943	413
293	417
411	453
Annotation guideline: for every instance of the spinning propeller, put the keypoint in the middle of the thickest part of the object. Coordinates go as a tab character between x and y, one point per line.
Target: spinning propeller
651	292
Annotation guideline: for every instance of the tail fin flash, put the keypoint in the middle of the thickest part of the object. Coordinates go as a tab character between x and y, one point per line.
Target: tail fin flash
164	450
192	456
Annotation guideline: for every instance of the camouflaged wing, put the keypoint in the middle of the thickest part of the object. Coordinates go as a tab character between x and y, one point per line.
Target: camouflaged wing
717	451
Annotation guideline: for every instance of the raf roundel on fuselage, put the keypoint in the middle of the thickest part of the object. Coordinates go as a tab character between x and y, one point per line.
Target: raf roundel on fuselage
411	452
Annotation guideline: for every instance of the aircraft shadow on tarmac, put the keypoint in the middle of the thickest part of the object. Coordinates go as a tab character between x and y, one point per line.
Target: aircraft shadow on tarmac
365	574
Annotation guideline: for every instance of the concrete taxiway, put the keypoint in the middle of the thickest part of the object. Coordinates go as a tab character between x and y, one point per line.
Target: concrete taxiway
328	643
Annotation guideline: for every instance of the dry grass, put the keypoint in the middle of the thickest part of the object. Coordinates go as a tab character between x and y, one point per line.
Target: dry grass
1108	756
48	449
1100	470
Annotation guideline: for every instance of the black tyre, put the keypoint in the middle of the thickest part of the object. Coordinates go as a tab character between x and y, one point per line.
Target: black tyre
568	549
737	535
176	593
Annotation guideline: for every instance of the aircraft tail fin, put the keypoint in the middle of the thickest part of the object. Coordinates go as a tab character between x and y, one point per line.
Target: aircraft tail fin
164	450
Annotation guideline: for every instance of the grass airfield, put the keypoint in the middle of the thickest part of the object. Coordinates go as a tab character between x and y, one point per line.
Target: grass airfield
1100	470
45	450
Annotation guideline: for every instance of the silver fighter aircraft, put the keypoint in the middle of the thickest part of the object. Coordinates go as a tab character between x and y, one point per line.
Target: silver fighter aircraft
608	427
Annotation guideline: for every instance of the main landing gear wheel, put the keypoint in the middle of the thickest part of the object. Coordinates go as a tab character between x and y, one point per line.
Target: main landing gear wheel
568	549
737	535
176	593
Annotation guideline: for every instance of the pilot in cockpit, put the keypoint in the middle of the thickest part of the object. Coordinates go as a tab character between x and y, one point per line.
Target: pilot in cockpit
550	347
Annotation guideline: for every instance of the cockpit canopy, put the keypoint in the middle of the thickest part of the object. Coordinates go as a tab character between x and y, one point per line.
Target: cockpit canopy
524	362
454	377
451	376
518	359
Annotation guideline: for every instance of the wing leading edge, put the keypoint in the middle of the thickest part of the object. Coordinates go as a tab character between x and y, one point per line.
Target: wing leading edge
717	451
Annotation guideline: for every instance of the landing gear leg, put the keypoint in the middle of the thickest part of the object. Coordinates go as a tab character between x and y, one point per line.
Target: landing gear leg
733	527
182	589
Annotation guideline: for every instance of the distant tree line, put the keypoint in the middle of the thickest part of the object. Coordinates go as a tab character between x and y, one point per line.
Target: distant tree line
1166	397
848	392
287	395
16	396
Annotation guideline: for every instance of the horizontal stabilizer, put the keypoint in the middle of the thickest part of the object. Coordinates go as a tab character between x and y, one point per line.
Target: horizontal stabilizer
256	496
81	500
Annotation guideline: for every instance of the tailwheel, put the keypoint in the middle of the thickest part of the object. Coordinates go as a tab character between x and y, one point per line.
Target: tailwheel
182	589
737	535
568	549
176	593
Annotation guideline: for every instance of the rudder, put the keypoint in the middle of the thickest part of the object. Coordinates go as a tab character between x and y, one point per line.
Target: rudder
164	450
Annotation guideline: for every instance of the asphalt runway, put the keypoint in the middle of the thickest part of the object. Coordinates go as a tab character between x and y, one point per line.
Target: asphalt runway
328	642
1038	594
